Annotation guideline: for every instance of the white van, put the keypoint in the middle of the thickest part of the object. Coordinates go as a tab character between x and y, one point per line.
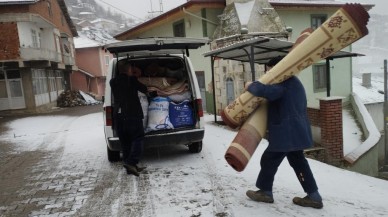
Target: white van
163	62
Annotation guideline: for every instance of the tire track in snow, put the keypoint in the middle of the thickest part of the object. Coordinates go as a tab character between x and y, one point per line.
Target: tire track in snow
221	200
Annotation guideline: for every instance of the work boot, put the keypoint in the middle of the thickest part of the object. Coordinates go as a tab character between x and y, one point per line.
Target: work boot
259	196
307	202
131	169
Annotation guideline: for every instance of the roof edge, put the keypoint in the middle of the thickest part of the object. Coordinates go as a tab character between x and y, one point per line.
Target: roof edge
169	13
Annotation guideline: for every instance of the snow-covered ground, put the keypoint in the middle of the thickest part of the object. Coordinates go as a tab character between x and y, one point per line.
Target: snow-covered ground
182	184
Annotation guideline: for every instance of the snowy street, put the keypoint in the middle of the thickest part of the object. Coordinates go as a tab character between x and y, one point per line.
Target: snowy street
56	165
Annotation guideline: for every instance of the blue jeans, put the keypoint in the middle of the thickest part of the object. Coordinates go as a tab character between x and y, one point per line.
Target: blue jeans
131	135
270	162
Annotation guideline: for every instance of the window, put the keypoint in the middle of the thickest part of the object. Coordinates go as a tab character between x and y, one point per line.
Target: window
3	87
179	28
59	80
63	20
204	23
35	39
51	78
49	9
15	88
39	81
319	77
107	60
317	20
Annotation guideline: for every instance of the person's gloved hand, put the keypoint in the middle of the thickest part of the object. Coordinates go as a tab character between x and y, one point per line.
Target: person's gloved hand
256	88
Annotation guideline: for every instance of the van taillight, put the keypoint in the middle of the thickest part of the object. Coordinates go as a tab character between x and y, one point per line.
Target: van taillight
108	116
199	107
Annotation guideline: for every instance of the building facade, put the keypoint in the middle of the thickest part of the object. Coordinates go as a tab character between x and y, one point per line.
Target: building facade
37	53
92	62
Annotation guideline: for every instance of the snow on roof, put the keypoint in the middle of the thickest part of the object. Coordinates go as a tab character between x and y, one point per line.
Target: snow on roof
85	42
92	37
306	1
102	20
373	94
83	13
244	11
73	18
17	2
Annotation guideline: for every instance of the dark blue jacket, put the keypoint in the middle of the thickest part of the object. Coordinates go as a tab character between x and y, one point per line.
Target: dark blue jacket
125	94
288	124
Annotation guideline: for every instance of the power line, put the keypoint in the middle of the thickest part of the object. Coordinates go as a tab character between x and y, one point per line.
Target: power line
121	10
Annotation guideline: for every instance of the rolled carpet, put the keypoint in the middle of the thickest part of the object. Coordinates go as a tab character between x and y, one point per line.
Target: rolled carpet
247	139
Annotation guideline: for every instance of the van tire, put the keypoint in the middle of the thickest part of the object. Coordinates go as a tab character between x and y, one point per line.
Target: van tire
113	156
195	147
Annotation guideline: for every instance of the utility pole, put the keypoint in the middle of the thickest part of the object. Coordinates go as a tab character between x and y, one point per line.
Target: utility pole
160	8
385	115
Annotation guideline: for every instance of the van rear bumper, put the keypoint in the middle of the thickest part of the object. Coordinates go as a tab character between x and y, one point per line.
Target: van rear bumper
183	137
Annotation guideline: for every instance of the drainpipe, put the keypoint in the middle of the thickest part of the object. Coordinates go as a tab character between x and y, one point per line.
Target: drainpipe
198	17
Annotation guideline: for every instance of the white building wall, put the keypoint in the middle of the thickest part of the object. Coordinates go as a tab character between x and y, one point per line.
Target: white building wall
24	29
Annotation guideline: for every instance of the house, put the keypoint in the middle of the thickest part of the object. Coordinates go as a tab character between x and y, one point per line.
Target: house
92	61
36	53
196	19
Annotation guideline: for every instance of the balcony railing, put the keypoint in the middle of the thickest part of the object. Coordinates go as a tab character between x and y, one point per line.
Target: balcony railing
28	54
31	54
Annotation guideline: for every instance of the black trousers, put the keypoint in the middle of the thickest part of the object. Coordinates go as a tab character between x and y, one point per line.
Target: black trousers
131	135
270	162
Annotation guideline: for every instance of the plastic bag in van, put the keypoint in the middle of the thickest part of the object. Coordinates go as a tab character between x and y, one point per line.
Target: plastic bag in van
158	115
181	114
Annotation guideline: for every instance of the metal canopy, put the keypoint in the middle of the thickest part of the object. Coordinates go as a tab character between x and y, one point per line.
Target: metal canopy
264	49
260	50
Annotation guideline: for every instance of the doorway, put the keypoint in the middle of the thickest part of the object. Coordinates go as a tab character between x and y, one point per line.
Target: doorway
202	87
14	88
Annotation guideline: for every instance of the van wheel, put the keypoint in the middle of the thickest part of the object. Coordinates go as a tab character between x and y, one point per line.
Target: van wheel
195	147
113	156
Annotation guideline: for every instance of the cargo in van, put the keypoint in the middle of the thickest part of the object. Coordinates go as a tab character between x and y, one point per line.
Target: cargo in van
173	115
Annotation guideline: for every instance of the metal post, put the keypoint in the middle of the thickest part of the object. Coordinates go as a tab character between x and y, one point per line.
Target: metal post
328	85
252	62
385	113
214	90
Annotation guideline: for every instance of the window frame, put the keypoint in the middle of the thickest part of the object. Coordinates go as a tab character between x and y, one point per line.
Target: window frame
319	86
107	60
49	8
204	23
175	25
316	16
35	38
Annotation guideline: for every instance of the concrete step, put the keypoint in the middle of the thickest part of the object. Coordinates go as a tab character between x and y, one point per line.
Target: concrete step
383	175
